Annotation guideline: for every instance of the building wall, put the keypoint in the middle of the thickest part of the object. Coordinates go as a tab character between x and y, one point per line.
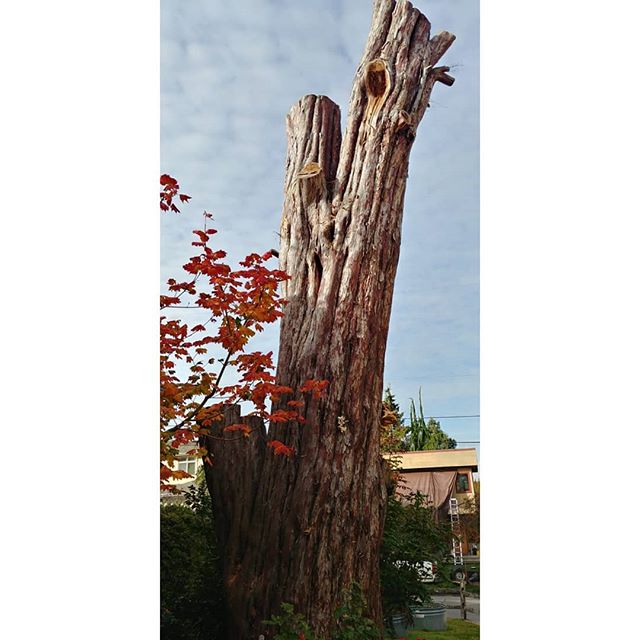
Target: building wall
189	464
166	497
466	497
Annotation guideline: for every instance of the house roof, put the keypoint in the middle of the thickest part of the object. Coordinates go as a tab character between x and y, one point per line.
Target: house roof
438	459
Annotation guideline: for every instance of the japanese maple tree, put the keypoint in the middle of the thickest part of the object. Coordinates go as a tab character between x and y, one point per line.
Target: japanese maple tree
195	357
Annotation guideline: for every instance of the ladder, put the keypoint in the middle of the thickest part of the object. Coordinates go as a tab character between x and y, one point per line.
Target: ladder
457	552
457	532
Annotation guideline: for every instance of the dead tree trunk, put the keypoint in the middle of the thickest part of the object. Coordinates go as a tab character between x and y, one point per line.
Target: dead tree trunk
303	529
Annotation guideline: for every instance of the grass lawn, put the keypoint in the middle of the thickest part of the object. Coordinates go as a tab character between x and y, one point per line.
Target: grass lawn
456	630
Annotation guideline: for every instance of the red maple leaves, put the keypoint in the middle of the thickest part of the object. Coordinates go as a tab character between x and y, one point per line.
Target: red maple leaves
317	388
170	188
195	358
281	449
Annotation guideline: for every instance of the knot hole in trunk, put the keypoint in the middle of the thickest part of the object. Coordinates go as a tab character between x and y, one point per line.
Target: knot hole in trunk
377	82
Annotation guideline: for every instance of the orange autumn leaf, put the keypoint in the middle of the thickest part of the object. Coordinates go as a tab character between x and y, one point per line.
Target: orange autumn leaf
281	449
246	429
281	415
316	387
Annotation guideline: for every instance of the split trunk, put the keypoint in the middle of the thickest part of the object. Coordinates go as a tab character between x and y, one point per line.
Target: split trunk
304	529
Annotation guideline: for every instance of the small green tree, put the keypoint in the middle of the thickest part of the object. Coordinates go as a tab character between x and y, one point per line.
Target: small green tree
422	434
392	439
393	433
390	403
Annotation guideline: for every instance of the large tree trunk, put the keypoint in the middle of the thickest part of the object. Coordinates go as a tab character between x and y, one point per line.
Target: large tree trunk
303	529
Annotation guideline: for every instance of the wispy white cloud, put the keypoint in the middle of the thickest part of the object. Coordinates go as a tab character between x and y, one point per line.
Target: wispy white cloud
230	73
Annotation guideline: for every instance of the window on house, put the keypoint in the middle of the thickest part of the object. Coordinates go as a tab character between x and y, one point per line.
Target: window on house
462	483
190	466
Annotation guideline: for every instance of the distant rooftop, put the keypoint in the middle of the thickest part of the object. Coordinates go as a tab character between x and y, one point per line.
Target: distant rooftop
438	459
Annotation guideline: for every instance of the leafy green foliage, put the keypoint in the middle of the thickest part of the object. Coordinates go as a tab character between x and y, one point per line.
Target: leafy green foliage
351	621
425	434
197	498
190	582
290	625
411	537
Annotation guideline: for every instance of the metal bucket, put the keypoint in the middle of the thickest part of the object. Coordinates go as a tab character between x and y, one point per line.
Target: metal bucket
400	625
427	617
430	617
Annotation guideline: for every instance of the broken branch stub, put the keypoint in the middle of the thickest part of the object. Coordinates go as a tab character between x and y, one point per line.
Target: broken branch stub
406	124
443	76
312	183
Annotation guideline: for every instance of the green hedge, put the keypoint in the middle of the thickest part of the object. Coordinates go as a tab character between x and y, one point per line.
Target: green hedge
190	585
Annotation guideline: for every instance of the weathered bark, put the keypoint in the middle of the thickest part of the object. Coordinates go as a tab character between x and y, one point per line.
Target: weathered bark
311	525
232	472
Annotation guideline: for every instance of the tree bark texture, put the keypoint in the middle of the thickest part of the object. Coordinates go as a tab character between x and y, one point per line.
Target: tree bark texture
303	529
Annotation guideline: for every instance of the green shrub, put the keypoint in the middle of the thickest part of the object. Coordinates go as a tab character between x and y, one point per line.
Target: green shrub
190	585
411	536
290	625
351	623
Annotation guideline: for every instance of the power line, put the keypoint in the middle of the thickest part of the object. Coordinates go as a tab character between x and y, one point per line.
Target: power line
451	417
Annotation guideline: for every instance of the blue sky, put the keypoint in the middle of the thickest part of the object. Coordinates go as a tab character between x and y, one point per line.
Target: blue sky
230	71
